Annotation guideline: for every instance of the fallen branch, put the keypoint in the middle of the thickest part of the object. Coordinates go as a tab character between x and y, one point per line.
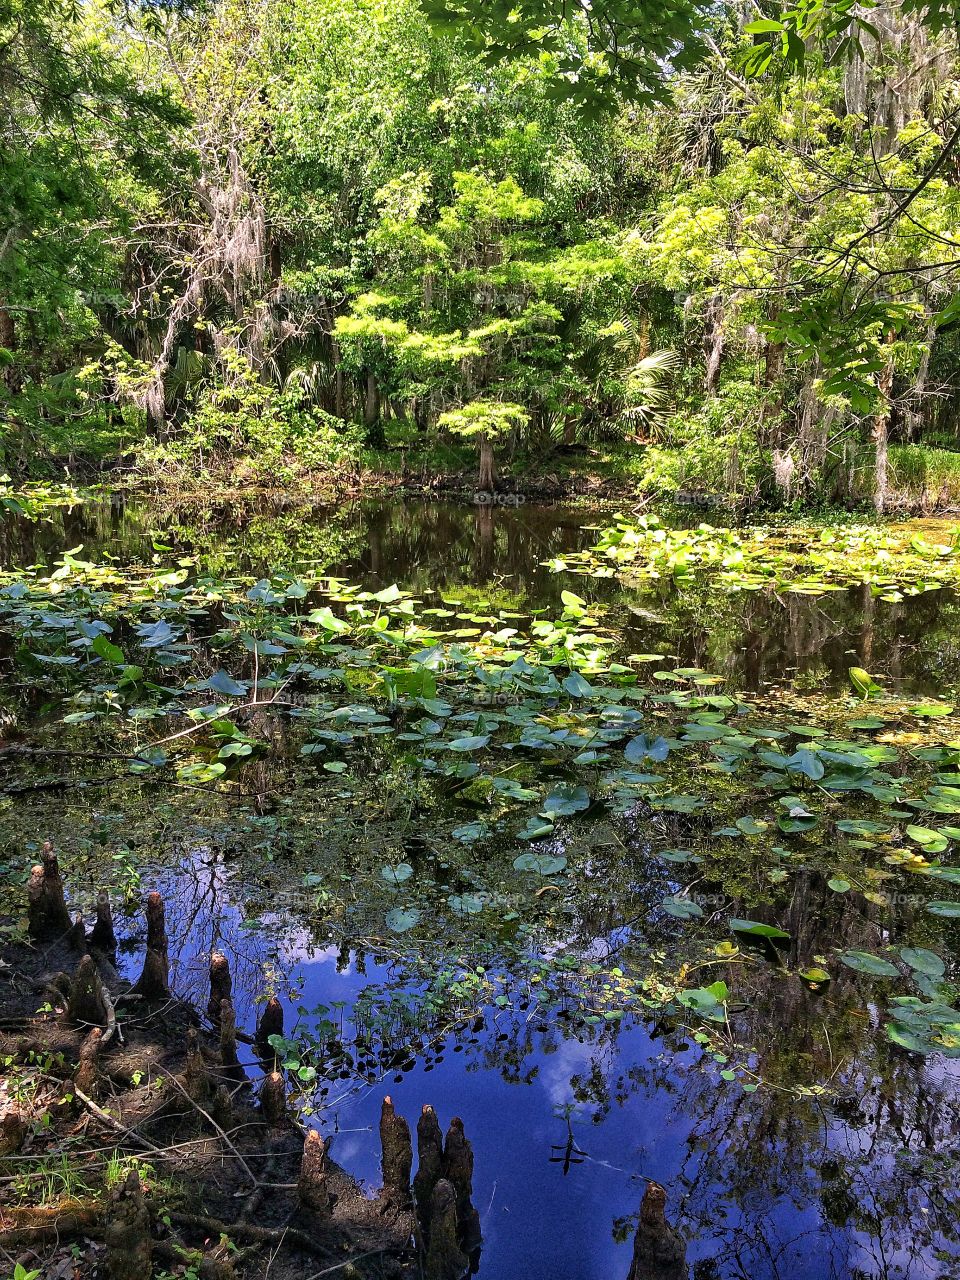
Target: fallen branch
37	1225
265	1235
136	1138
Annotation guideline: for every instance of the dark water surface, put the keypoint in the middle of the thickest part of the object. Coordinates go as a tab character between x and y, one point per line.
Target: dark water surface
567	1123
487	554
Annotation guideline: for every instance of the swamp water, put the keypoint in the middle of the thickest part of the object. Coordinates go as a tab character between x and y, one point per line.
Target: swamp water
500	893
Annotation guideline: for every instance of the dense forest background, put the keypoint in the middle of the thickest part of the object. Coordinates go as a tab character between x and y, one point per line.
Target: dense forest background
714	250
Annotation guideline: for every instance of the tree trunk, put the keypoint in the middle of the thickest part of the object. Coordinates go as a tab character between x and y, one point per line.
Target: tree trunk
371	412
880	433
713	340
914	414
485	480
782	457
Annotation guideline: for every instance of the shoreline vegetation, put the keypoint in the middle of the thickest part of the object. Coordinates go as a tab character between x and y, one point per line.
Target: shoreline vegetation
343	244
921	483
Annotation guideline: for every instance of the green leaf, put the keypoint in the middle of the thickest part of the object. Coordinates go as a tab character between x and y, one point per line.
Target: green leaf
864	962
762	26
397	874
102	647
754	929
400	919
564	800
863	682
474	742
221	682
948	910
466	904
541	864
923	961
815	976
682	908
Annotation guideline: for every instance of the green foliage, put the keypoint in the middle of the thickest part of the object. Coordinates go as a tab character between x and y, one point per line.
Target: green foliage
485	418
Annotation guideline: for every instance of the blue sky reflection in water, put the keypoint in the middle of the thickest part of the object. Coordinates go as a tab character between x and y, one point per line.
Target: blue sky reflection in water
761	1186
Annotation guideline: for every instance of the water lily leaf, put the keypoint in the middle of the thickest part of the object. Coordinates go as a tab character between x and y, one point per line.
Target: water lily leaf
682	908
470	831
923	961
326	619
678	855
897	1033
863	682
564	800
577	687
932	841
864	962
472	742
794	824
221	682
838	885
541	864
400	919
929	710
535	830
805	762
949	910
156	634
705	1001
949	875
641	748
466	904
750	826
397	874
815	976
102	647
755	929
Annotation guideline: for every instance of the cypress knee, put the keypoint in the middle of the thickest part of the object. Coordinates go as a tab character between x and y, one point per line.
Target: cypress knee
312	1188
429	1163
228	1041
102	936
77	937
47	912
270	1024
87	1077
659	1250
397	1152
221	985
127	1232
222	1107
154	981
458	1166
196	1078
445	1259
13	1131
86	1003
273	1098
